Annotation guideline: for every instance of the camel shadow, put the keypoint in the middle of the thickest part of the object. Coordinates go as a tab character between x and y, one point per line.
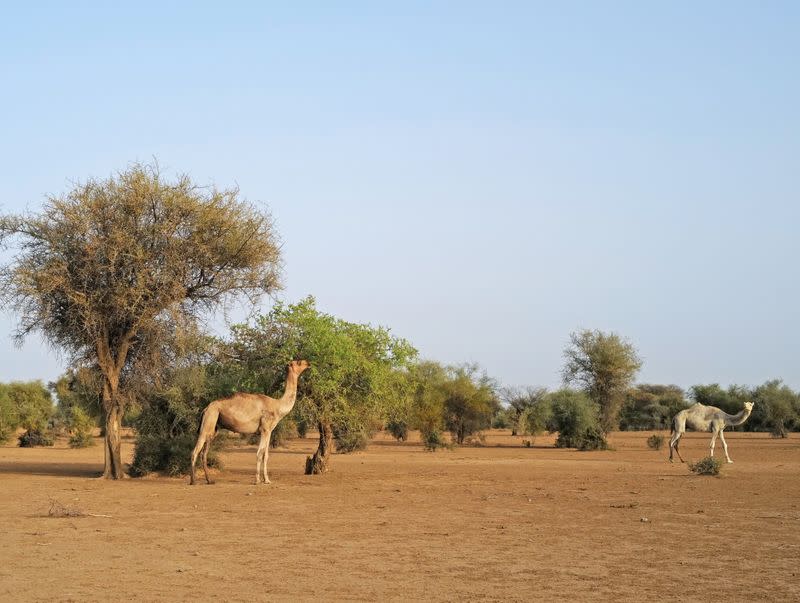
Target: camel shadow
86	470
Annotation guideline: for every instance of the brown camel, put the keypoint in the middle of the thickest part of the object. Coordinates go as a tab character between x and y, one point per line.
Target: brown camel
248	413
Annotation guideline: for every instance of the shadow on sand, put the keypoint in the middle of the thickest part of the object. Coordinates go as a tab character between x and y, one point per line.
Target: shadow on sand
52	469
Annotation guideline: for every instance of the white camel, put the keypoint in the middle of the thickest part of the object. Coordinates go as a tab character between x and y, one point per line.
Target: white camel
248	413
705	418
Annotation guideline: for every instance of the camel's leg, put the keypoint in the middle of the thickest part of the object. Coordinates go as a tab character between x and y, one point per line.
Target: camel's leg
207	427
201	440
267	436
261	456
205	458
724	445
677	443
713	441
673	445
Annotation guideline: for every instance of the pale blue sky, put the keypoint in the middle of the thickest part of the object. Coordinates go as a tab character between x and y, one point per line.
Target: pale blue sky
483	178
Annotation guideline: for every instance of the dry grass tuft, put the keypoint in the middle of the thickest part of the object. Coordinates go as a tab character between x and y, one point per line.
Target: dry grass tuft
57	509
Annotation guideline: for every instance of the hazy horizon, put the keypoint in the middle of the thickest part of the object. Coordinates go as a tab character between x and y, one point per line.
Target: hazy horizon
483	181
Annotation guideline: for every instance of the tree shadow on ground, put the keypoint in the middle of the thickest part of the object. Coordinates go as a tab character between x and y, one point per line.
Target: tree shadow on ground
51	468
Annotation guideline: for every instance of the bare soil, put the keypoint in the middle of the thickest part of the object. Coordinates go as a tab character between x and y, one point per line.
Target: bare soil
500	522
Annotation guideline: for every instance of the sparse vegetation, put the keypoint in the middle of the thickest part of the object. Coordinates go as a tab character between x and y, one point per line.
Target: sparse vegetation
655	441
576	418
469	401
350	438
433	440
706	466
398	428
35	437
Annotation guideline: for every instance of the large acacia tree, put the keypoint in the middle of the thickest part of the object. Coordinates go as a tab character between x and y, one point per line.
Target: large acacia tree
109	271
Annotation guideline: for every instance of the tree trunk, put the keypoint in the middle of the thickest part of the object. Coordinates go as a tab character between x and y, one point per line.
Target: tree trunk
113	442
319	462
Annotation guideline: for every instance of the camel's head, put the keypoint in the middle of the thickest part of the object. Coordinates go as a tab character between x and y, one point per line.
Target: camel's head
748	406
298	366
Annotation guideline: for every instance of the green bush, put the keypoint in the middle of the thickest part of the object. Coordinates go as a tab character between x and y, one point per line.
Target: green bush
9	417
350	438
80	425
707	466
35	437
168	424
81	440
283	432
398	429
535	418
168	456
576	418
433	439
655	441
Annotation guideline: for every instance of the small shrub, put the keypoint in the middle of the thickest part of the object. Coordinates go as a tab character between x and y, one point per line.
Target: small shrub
707	466
576	418
80	425
5	433
655	441
35	437
477	439
169	456
283	432
433	440
81	440
350	439
527	443
398	429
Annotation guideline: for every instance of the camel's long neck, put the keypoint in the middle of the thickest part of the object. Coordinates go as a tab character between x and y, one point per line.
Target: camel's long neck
290	393
738	418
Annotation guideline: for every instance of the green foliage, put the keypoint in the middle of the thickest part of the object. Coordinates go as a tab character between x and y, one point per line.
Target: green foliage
655	441
731	400
33	404
9	415
536	418
651	407
706	466
398	428
777	408
604	366
469	402
358	373
168	424
170	456
576	418
519	402
284	430
433	439
350	437
80	425
109	272
426	381
35	437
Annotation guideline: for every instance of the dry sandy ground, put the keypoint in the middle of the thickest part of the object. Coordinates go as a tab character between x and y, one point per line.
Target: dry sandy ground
501	522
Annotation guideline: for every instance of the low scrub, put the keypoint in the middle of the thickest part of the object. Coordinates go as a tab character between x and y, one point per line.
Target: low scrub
433	439
350	439
170	456
398	429
655	442
35	437
707	466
